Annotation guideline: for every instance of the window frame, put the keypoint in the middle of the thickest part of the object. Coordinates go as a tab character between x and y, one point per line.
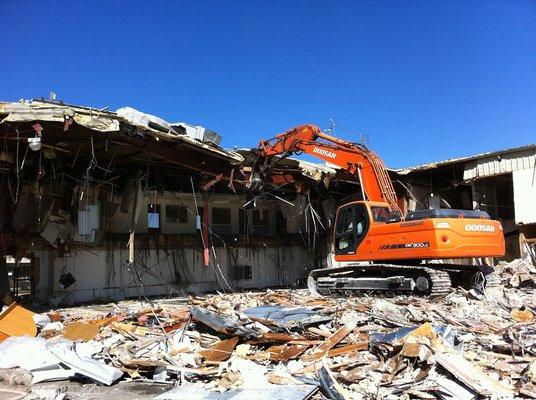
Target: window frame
351	222
178	220
222	228
154	209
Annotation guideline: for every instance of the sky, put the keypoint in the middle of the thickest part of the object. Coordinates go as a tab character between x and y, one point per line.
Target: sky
422	81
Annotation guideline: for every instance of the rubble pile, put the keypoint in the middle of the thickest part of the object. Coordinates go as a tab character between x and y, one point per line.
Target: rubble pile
288	344
520	272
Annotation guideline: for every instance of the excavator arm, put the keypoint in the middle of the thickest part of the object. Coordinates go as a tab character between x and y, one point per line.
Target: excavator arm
356	159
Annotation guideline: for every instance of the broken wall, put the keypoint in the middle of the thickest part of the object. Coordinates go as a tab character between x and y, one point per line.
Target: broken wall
102	274
170	222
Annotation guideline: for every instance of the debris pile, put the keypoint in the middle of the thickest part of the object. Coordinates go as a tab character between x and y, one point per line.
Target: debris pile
288	344
520	272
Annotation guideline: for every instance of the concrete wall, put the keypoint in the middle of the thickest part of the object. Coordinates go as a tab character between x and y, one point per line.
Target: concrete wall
104	274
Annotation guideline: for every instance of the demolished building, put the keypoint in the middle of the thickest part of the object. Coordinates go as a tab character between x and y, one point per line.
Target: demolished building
99	204
112	205
502	183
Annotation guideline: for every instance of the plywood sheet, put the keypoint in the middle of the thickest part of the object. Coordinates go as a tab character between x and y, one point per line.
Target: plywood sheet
17	321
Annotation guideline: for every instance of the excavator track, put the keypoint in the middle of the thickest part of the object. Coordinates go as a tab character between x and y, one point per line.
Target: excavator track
432	280
478	277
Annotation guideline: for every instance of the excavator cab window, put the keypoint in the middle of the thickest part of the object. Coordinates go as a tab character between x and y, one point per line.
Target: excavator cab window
380	214
351	228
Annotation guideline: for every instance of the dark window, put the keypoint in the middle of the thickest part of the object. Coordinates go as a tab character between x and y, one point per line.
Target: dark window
361	222
176	214
261	225
346	220
260	217
280	223
242	272
242	216
153	217
221	216
21	276
221	221
351	228
380	214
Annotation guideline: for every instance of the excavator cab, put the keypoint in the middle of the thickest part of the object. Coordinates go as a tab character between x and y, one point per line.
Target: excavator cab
368	231
353	221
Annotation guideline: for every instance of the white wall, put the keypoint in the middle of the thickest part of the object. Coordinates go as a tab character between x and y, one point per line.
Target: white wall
525	195
104	274
507	162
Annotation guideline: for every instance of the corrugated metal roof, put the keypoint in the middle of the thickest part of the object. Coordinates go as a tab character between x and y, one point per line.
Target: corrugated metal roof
530	149
500	163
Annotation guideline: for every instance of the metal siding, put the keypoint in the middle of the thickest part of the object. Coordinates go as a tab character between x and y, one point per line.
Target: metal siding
490	166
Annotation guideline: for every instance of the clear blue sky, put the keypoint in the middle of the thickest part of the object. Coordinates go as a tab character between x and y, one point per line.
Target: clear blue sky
424	80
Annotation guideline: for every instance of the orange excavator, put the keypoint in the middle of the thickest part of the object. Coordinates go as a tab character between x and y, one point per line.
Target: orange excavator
375	247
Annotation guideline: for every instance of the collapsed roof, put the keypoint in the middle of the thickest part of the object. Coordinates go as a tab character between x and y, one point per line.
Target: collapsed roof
104	141
98	130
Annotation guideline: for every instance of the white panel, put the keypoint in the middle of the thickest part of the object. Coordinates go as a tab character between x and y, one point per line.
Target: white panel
88	223
525	196
493	165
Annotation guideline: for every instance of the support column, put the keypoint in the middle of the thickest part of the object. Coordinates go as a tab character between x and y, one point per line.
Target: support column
6	238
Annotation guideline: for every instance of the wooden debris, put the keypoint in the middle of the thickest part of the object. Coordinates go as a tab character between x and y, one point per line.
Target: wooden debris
81	331
469	375
221	351
363	347
323	348
350	348
288	352
17	321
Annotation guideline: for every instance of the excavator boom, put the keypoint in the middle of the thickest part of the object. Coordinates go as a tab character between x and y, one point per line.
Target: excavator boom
368	168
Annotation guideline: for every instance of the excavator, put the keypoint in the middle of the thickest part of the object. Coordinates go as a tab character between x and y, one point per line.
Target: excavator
375	247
